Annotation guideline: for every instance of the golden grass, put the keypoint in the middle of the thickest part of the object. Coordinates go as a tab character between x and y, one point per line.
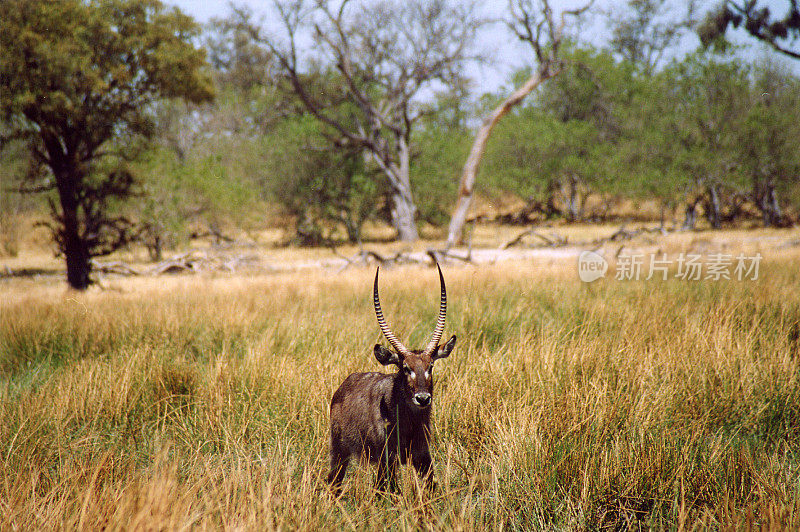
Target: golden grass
202	402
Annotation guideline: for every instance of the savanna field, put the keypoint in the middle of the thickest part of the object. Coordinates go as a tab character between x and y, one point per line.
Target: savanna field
194	197
201	402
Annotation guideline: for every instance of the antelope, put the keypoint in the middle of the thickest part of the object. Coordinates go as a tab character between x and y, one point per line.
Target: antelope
386	417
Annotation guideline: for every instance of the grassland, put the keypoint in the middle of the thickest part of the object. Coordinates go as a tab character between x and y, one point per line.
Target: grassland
201	402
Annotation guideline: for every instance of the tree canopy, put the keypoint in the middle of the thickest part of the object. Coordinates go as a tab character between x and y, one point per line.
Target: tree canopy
78	80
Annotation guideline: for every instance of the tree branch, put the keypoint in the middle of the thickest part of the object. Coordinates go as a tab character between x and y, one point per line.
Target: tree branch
546	50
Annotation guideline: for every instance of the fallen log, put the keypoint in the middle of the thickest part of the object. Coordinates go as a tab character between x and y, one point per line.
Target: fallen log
554	240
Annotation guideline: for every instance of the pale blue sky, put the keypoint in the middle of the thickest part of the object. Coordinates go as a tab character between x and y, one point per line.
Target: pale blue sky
509	55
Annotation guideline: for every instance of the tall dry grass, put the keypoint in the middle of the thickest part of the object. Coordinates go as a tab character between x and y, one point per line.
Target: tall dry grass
203	403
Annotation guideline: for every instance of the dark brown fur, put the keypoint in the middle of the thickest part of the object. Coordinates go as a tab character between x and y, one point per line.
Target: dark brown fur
385	417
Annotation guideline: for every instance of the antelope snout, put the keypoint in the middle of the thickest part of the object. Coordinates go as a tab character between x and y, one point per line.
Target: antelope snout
422	399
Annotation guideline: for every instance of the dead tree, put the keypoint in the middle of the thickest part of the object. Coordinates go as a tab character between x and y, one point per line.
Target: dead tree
533	23
383	55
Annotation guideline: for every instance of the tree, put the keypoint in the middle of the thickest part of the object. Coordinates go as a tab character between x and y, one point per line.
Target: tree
249	99
779	33
643	116
710	95
386	54
442	144
545	160
237	58
564	145
766	138
725	135
323	188
78	80
533	23
645	30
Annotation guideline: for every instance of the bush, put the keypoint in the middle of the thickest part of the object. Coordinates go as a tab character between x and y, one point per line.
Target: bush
326	189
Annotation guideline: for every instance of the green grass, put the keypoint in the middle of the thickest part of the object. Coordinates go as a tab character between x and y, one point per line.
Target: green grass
204	403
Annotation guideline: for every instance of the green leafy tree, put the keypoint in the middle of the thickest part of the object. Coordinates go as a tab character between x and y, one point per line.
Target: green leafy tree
78	80
435	169
644	31
209	193
13	206
641	162
323	187
559	149
766	138
711	132
548	162
711	96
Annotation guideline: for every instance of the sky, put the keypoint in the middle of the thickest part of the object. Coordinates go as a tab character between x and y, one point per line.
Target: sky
508	55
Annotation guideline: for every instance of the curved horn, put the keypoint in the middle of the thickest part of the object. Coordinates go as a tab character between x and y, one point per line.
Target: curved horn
437	332
387	332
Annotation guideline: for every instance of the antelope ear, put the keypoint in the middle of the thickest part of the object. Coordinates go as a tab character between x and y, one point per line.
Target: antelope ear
444	351
385	356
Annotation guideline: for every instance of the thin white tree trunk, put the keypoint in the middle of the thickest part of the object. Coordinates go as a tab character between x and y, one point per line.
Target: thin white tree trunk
479	146
403	209
403	218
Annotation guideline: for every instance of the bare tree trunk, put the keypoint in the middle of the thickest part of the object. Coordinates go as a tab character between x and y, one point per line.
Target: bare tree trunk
573	212
689	217
155	248
713	213
352	228
479	146
75	253
403	213
767	202
774	207
403	209
552	190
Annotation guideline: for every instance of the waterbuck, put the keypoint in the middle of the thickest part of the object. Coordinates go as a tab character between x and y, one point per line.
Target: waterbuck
387	417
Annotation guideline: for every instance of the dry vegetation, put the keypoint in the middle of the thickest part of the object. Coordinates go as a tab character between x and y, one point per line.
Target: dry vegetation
201	402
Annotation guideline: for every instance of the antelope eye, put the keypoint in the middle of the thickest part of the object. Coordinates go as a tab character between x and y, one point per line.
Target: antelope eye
408	372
